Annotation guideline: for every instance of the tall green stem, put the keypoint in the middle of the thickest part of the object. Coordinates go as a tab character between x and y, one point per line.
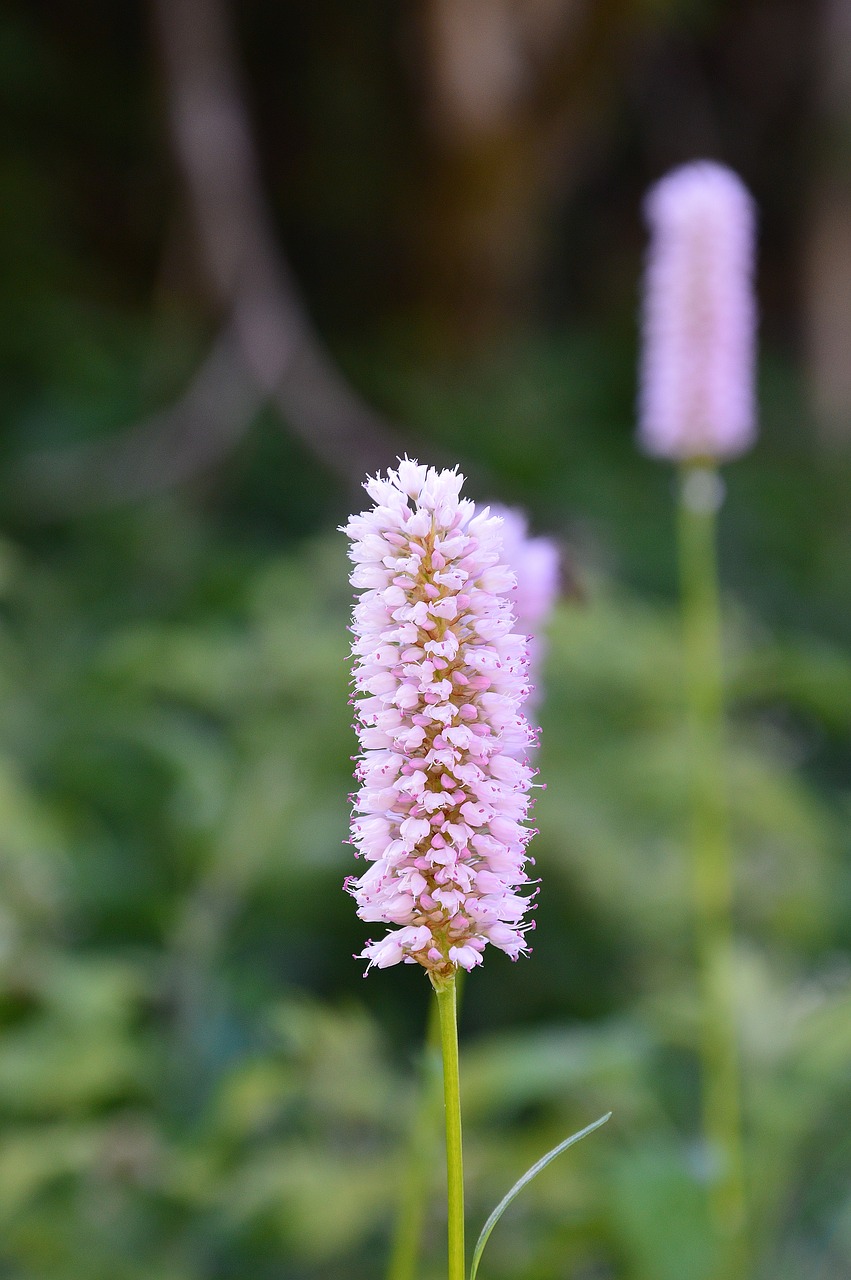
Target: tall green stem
410	1217
713	882
408	1230
452	1105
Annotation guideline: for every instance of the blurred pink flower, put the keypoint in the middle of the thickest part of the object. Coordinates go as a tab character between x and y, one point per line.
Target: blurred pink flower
537	565
439	676
697	370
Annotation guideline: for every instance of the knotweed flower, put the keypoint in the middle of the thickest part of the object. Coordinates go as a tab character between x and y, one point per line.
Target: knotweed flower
697	396
439	674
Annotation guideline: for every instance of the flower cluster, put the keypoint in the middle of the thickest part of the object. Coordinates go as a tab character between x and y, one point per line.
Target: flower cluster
439	676
697	393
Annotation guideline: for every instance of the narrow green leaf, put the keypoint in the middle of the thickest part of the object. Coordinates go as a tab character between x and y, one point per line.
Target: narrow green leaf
521	1183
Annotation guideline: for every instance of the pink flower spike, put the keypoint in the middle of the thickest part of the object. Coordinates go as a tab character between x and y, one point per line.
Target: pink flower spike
411	718
696	396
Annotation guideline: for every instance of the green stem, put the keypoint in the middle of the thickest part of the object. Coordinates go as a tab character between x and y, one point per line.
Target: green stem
713	879
409	1223
452	1105
408	1230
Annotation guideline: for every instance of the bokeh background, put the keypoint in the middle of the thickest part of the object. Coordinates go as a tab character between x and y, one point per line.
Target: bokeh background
250	251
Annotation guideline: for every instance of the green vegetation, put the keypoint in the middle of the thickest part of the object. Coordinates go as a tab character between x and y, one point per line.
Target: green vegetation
195	1083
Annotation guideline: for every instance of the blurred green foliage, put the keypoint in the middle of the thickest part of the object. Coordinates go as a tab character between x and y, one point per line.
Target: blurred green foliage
194	1080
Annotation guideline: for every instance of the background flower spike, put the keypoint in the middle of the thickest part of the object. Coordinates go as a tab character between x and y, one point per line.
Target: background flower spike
696	397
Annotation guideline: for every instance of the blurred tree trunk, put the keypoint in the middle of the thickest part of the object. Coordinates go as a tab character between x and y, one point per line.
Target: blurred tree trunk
828	258
512	89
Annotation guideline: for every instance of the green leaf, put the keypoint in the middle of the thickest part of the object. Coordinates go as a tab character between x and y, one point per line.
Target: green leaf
521	1183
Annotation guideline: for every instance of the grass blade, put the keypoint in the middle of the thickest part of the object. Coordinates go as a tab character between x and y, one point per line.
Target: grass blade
521	1183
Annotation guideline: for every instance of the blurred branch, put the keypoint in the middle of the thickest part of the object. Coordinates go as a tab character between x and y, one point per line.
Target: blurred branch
159	452
268	349
244	266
